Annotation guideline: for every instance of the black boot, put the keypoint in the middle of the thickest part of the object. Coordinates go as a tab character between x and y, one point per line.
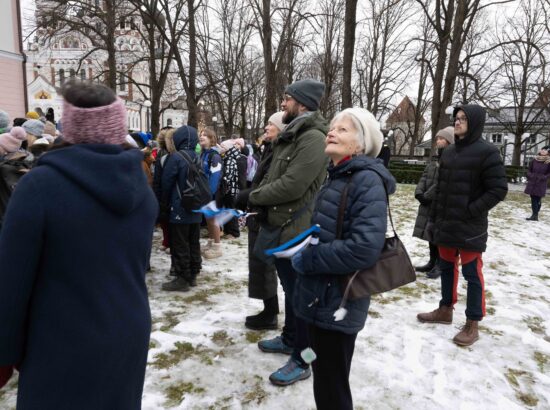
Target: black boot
434	273
193	280
267	318
427	267
178	284
533	217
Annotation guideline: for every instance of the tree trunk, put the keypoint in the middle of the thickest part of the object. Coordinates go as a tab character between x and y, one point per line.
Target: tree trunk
192	92
271	97
110	23
349	47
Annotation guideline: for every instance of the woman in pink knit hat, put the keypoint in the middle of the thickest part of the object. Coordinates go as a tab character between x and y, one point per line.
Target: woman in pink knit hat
73	251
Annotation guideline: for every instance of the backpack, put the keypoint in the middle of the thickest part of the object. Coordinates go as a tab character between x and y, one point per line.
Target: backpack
10	174
197	190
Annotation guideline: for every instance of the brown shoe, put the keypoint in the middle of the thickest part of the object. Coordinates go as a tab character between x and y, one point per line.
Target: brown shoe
468	335
443	314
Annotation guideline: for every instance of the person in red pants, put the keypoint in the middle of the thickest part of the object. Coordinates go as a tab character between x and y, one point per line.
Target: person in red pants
472	180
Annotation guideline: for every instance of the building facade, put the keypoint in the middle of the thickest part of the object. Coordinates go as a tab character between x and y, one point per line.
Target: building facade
54	59
12	61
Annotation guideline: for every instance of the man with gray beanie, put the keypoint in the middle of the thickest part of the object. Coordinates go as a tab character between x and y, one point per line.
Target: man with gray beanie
286	195
425	194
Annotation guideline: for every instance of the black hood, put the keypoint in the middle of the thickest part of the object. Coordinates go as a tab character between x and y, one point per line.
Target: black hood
476	121
111	174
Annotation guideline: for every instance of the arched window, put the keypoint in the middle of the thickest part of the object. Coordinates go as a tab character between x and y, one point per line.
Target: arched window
122	80
72	73
169	122
61	76
122	23
82	74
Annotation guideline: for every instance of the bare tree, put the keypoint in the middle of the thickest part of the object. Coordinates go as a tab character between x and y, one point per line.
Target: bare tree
223	57
349	48
525	74
278	24
97	22
452	21
381	63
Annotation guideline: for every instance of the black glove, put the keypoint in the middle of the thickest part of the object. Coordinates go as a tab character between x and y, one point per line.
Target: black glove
420	198
241	201
261	214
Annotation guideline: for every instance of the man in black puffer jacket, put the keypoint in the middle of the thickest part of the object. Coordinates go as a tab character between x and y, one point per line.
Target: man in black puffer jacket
472	180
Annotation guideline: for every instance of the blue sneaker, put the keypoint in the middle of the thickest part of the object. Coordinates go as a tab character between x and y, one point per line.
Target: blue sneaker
275	345
290	373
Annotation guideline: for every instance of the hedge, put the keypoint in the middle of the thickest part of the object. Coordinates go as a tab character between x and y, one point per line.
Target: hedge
410	173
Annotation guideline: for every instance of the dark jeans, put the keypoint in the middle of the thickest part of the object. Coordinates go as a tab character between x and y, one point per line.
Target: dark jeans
471	270
185	249
231	227
331	369
295	331
262	278
536	203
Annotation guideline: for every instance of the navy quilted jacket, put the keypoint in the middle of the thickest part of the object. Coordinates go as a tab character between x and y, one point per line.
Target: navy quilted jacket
319	293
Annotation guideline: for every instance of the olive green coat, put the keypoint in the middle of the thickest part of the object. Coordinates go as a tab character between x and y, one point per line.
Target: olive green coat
296	173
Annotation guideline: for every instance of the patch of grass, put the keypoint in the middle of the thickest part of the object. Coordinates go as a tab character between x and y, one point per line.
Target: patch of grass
543	277
542	359
490	310
175	393
183	350
221	404
491	331
170	320
152	344
384	300
512	376
528	399
489	295
535	324
257	394
254	337
374	314
202	295
221	338
412	291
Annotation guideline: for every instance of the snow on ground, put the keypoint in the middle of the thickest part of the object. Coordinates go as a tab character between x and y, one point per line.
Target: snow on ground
202	357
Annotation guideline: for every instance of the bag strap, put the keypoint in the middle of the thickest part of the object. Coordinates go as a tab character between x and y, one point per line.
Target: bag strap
298	213
387	199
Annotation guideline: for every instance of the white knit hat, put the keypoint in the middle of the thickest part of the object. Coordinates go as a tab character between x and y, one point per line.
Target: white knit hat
277	120
369	134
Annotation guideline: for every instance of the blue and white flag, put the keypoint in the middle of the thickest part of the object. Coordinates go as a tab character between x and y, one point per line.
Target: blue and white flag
296	244
221	215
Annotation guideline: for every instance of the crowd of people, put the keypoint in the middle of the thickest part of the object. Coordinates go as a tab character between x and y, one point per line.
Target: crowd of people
77	326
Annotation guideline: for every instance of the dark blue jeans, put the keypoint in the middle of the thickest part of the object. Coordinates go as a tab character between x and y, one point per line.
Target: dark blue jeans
295	330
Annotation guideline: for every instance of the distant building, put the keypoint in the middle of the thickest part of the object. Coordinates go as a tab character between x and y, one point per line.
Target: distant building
502	120
400	128
12	61
51	63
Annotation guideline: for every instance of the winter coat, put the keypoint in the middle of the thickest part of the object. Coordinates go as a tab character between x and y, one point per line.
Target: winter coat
295	175
73	299
211	162
472	180
537	178
318	291
174	178
425	193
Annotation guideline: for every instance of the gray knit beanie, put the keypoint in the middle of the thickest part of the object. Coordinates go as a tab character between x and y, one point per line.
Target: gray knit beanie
448	133
307	92
4	119
34	127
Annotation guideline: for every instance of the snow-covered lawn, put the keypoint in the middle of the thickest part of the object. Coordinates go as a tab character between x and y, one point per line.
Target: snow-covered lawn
201	355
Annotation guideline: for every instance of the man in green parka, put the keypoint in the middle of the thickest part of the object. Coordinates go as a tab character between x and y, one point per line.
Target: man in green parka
287	193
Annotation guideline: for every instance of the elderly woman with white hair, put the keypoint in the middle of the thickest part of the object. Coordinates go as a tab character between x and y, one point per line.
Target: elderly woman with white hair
352	143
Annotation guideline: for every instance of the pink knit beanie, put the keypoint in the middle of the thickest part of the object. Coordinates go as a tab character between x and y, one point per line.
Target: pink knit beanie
239	143
11	141
97	125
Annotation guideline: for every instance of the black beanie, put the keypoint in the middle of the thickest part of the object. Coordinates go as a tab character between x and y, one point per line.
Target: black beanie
307	92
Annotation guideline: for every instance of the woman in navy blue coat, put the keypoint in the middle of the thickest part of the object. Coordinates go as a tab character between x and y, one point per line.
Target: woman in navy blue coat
353	142
74	311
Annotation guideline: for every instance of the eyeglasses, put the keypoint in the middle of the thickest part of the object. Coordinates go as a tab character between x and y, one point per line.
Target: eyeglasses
461	119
